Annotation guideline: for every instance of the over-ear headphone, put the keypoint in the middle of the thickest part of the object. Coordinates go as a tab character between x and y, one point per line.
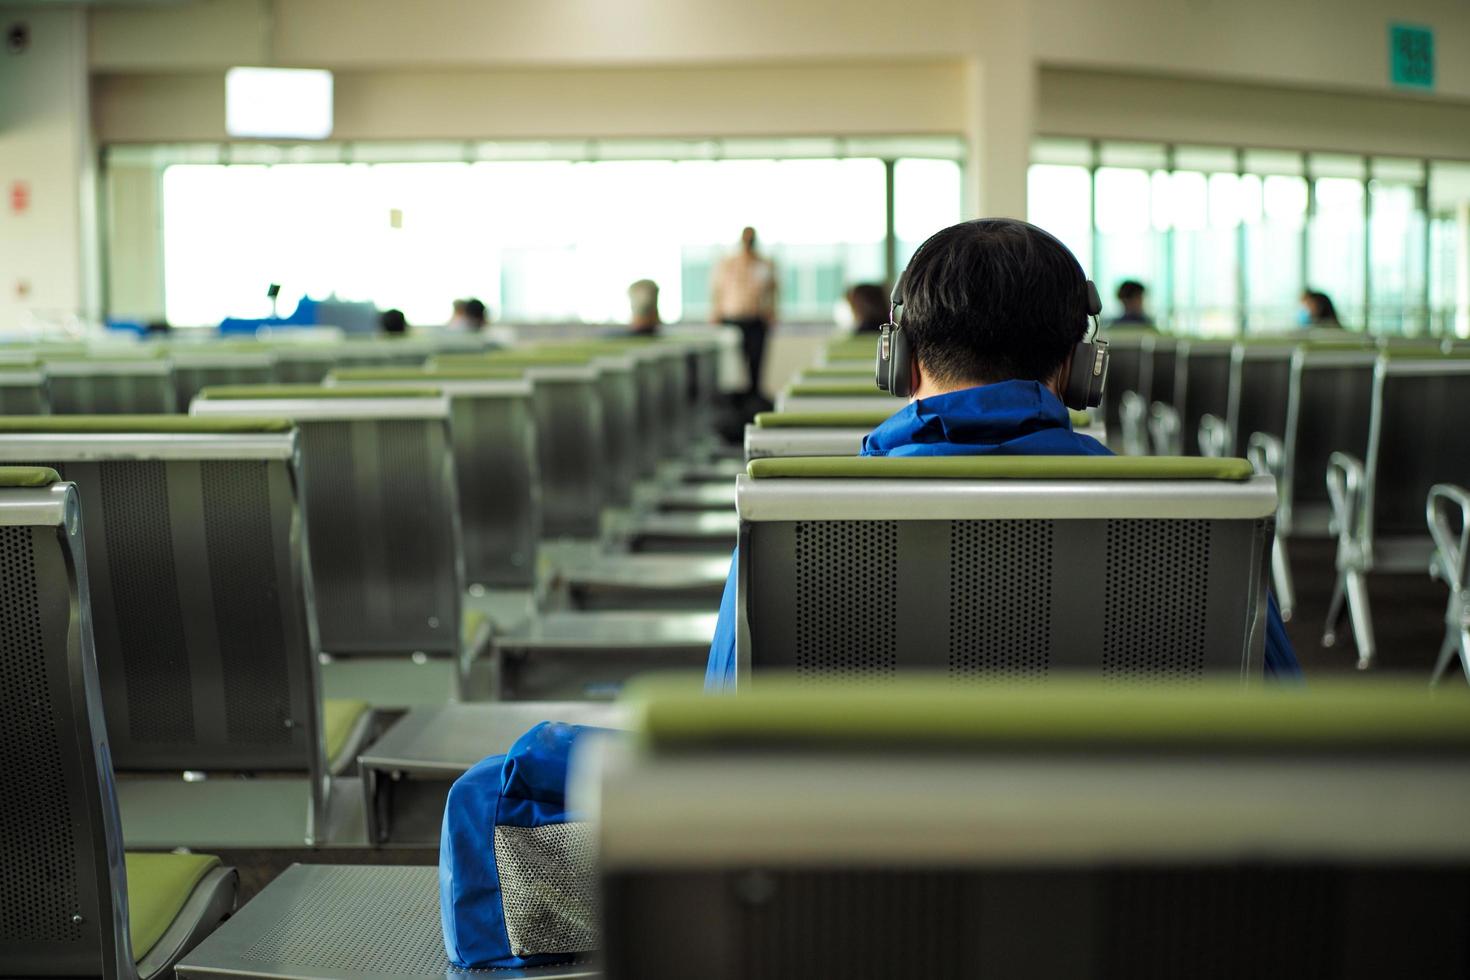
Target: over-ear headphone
1089	368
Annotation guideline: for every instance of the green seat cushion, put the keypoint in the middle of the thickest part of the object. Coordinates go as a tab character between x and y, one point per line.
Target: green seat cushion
28	476
821	420
339	717
836	389
162	424
158	887
1085	715
470	623
851	348
1003	468
468	372
244	392
837	373
854	420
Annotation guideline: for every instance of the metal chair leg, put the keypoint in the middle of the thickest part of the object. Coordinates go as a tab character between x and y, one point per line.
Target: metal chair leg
1334	610
1361	617
1281	578
1447	651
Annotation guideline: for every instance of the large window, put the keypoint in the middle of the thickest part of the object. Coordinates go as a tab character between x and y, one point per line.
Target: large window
539	239
1227	239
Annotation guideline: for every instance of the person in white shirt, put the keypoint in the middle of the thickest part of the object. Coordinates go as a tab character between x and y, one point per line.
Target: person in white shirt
744	296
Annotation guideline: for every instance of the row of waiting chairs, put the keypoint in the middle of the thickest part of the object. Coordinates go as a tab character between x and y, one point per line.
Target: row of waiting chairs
231	550
1359	436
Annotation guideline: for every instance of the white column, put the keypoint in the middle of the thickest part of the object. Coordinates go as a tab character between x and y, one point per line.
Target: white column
1462	273
1001	95
48	265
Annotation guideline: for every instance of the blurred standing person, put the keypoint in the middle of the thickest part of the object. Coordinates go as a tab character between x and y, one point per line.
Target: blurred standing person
869	305
744	297
643	318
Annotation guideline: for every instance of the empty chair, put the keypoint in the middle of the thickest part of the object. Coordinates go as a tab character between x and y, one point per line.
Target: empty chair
834	396
569	442
205	630
1416	440
809	433
1448	505
303	363
495	463
1080	832
23	389
1329	407
382	521
995	566
74	904
1130	360
1202	388
110	385
206	365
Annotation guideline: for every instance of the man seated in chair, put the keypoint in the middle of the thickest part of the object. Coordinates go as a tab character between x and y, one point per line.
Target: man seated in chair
992	310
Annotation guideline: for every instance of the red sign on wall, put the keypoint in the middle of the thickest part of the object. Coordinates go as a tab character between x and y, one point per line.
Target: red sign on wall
20	197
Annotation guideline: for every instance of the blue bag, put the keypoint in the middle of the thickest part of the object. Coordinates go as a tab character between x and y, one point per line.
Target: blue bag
517	876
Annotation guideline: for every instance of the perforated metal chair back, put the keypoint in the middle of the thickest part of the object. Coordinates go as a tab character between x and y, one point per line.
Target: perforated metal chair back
1329	407
495	464
866	577
1417	439
569	439
195	371
133	386
382	513
1260	380
60	837
303	364
1202	386
23	391
200	601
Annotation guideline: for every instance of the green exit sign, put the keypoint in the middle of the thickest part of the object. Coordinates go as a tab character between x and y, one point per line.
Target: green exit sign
1411	56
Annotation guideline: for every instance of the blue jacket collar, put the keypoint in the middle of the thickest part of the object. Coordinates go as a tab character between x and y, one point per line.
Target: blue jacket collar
985	417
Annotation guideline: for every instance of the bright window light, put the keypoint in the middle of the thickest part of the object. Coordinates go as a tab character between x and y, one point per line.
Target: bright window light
278	103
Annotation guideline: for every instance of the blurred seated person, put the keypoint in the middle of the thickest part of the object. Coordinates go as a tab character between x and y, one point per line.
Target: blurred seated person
643	318
1317	310
1130	297
457	319
992	310
392	323
869	305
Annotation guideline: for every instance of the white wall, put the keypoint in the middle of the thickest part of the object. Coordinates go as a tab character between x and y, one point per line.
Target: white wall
45	142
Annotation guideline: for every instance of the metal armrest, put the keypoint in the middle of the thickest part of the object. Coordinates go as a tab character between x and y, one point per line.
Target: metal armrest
1165	429
1451	561
1214	436
1345	478
1132	420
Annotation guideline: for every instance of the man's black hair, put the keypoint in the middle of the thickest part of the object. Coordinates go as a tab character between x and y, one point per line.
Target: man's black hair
1129	289
993	300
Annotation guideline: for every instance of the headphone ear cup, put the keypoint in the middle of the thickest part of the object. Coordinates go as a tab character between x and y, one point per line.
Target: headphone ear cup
900	365
1088	376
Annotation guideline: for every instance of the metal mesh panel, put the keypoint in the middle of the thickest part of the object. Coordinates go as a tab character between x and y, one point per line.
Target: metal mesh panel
862	924
333	527
20	399
246	597
1157	591
140	558
1000	599
38	876
358	920
411	488
548	887
847	598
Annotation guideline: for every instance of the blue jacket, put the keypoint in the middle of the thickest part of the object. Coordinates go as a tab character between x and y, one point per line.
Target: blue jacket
1009	418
